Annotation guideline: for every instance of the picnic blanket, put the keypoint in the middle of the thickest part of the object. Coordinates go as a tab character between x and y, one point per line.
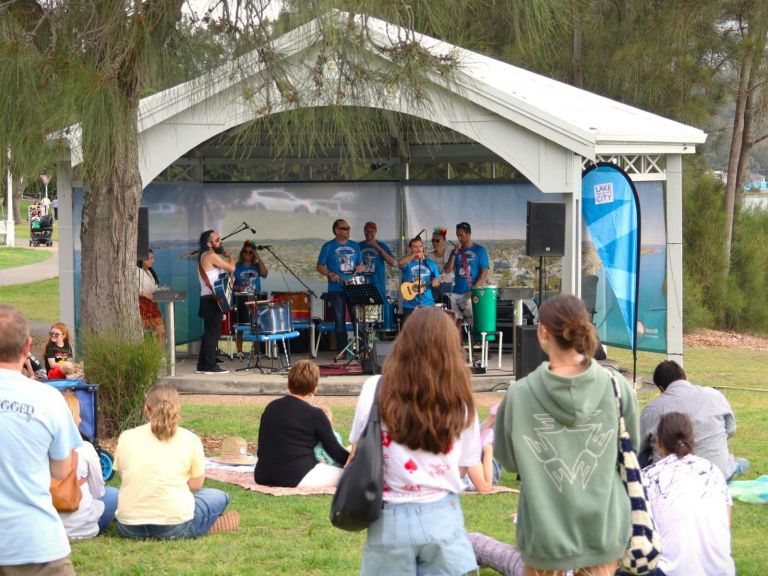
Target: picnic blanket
243	476
750	491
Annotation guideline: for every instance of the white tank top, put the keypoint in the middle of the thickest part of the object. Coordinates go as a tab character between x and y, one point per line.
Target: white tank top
212	275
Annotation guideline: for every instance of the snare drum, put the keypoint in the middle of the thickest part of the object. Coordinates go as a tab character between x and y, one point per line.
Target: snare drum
274	318
373	313
355	280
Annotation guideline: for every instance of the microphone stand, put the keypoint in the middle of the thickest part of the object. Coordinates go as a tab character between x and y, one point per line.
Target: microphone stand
292	273
243	227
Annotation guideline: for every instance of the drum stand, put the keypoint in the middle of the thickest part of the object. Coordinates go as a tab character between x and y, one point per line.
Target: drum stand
361	295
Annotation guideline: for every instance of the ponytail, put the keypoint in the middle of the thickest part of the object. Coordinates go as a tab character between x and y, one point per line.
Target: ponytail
675	433
164	411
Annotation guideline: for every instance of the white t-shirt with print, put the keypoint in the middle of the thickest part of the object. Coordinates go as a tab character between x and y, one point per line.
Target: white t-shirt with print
418	475
690	502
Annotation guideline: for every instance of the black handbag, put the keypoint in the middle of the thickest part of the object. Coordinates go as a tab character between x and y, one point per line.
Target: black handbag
358	498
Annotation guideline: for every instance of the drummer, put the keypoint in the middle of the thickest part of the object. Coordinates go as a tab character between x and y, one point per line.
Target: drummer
375	255
417	268
469	262
338	261
249	271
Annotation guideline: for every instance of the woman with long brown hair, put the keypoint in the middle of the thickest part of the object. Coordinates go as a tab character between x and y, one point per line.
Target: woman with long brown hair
430	436
162	470
558	429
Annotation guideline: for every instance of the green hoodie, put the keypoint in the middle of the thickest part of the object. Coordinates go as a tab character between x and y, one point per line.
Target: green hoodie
560	434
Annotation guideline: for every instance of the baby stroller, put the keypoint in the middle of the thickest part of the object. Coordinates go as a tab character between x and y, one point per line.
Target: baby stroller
41	230
87	395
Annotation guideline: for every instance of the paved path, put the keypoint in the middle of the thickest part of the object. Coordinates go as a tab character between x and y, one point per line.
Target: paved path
32	272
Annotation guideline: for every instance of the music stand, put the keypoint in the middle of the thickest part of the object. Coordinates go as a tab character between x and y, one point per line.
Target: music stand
361	295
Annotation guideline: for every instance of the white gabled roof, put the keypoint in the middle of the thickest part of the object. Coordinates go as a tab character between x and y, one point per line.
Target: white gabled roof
543	104
577	120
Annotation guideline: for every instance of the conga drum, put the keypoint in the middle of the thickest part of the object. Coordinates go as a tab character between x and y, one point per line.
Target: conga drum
484	308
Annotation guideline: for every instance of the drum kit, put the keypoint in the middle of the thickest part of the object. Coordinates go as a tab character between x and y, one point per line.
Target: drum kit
265	315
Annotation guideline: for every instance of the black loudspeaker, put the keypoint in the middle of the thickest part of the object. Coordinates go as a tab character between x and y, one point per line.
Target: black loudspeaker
545	229
142	242
380	351
528	353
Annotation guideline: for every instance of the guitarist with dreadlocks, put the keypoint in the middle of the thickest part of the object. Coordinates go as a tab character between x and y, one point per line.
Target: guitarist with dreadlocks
212	263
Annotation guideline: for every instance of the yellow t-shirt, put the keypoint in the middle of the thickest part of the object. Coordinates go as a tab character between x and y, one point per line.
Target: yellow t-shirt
154	476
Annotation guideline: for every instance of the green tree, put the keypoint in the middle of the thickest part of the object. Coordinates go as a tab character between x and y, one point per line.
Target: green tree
746	35
89	63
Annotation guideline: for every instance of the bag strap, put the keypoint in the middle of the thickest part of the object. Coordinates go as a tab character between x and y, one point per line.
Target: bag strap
204	276
619	408
375	415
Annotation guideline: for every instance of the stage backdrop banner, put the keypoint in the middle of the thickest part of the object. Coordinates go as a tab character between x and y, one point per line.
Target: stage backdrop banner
611	215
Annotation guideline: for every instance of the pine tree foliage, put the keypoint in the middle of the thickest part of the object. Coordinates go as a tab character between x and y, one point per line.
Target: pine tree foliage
85	65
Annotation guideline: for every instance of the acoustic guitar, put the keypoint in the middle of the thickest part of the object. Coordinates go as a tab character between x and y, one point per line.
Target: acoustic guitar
409	290
224	290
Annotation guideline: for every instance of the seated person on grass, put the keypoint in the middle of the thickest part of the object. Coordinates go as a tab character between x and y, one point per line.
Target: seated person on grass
289	430
320	454
162	470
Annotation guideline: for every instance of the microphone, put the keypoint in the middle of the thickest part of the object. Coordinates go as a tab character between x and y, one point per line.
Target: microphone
253	230
263	246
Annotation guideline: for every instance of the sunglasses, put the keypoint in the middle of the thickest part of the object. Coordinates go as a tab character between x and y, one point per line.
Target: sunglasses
216	241
55	334
343	228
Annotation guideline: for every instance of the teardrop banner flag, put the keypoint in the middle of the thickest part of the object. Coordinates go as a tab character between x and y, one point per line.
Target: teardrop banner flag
611	212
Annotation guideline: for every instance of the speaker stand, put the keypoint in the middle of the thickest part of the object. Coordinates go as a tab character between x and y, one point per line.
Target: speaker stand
542	269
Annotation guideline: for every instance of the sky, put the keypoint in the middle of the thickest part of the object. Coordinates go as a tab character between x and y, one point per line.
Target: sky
199	7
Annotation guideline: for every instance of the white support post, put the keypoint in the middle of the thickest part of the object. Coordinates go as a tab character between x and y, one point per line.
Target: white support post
66	248
674	209
10	225
571	279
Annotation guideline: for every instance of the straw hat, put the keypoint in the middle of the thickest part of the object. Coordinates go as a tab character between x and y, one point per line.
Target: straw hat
234	450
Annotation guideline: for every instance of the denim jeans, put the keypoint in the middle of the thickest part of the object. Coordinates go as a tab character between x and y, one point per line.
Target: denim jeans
210	503
742	465
110	507
414	539
340	305
210	312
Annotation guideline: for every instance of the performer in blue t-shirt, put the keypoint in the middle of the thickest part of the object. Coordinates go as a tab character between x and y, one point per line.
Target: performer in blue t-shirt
470	266
375	256
339	260
250	269
419	275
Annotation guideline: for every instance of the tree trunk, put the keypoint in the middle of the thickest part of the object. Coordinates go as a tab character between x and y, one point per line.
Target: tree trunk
742	97
18	189
746	148
108	295
577	56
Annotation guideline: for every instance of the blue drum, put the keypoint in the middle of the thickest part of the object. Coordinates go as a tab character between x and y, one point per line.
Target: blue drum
388	310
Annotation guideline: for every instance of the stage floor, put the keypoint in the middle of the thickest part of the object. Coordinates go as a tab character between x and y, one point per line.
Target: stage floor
253	382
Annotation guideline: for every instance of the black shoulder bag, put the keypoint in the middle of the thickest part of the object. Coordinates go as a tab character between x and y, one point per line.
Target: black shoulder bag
358	498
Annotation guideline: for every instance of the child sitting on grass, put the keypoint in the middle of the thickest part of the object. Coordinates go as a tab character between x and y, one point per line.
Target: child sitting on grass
320	454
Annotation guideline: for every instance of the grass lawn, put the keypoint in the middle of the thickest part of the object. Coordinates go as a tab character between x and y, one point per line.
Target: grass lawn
39	301
13	257
292	535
